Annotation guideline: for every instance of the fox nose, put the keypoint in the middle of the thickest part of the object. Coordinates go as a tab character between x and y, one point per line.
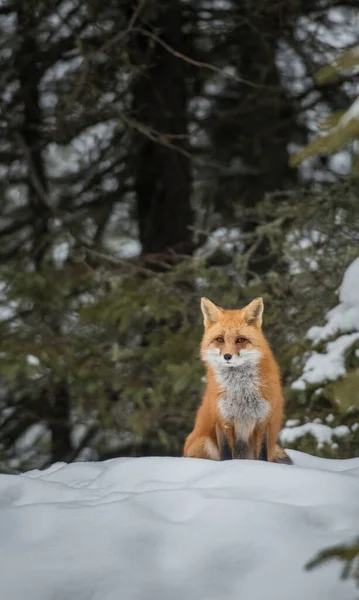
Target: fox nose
227	356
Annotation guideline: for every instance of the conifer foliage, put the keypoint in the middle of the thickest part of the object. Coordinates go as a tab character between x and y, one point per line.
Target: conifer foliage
144	162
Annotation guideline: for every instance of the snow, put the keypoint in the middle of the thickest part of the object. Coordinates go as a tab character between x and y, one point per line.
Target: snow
326	367
292	422
323	433
343	319
175	528
349	291
351	113
299	384
345	316
32	360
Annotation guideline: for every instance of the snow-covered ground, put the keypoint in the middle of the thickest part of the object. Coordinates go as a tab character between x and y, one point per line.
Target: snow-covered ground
177	529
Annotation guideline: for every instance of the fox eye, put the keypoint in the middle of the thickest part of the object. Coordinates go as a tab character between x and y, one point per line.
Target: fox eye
241	340
220	340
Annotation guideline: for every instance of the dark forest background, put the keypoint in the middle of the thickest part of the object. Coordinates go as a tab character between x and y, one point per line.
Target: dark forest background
144	162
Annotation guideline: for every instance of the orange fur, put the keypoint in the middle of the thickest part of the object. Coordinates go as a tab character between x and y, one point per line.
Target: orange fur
233	327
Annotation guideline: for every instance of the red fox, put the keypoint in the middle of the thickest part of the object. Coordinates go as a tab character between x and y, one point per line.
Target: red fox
241	411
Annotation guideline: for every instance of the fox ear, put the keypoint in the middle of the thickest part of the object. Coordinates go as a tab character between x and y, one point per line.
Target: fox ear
211	312
254	311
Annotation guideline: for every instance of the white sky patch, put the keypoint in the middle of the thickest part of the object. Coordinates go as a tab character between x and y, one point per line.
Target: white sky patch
6	313
225	238
341	163
68	158
177	528
78	433
30	437
60	253
130	248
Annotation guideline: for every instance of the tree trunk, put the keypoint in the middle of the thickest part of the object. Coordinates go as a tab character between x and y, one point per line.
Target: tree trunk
256	121
30	141
269	129
162	170
59	423
29	130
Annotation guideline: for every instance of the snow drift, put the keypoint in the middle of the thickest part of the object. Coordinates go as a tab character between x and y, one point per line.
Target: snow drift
176	529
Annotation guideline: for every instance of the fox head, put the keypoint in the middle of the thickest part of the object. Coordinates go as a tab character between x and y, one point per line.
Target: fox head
232	337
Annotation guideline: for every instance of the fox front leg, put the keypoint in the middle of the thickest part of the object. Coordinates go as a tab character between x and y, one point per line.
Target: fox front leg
225	450
241	442
263	454
241	449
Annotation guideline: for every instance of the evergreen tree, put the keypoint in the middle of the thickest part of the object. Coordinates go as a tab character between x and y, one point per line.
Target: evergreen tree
144	163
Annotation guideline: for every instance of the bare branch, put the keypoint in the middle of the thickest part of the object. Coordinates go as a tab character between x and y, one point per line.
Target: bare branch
199	63
35	179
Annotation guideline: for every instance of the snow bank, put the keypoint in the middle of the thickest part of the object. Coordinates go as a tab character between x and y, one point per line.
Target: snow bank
176	529
341	321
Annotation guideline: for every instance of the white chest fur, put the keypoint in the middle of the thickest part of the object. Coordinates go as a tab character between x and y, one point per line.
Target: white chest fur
241	402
